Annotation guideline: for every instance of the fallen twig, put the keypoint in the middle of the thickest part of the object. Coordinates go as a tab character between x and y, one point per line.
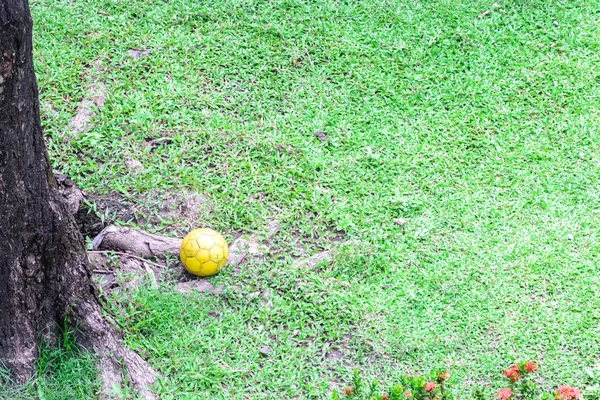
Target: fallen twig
483	14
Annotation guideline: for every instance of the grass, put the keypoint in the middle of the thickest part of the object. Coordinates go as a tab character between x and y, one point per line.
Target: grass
482	133
62	372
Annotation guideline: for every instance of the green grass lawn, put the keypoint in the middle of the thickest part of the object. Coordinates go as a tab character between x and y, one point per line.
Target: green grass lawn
482	133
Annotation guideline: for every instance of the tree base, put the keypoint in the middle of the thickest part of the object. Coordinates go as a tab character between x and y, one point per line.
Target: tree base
116	363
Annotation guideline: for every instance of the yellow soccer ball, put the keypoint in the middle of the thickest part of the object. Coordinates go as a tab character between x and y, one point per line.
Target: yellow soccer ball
203	252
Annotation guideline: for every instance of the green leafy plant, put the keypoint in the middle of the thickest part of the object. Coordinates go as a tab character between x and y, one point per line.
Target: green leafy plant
430	387
434	386
522	387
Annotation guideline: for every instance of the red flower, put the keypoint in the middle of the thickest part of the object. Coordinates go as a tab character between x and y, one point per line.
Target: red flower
348	391
406	394
567	393
512	373
385	397
444	376
429	386
529	366
504	394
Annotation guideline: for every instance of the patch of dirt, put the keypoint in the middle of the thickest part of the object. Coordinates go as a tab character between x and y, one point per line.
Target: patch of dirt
121	271
338	352
92	101
325	255
319	238
97	212
178	213
253	245
181	211
94	97
133	165
199	285
334	355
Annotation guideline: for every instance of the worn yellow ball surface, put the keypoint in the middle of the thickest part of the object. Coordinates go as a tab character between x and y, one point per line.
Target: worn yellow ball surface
203	252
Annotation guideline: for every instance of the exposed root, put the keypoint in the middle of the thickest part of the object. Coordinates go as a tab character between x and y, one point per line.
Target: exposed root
94	99
117	364
136	242
92	254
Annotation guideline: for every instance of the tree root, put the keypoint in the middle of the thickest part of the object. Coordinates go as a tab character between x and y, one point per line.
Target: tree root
136	242
92	254
116	363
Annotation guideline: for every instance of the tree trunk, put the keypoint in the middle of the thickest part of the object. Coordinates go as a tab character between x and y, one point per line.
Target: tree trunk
45	278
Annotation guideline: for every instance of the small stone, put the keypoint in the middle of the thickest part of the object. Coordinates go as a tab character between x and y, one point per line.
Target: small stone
400	221
266	304
314	260
334	354
272	228
322	136
135	54
582	155
265	351
555	23
134	165
570	237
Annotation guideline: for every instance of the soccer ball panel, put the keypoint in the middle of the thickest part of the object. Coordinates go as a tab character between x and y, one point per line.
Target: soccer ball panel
209	268
193	265
191	249
203	255
216	253
205	242
220	241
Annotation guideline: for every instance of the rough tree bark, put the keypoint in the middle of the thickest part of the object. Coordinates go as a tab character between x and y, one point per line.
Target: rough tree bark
45	278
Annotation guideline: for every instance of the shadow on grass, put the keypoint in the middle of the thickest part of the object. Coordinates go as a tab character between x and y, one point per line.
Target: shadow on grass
63	371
